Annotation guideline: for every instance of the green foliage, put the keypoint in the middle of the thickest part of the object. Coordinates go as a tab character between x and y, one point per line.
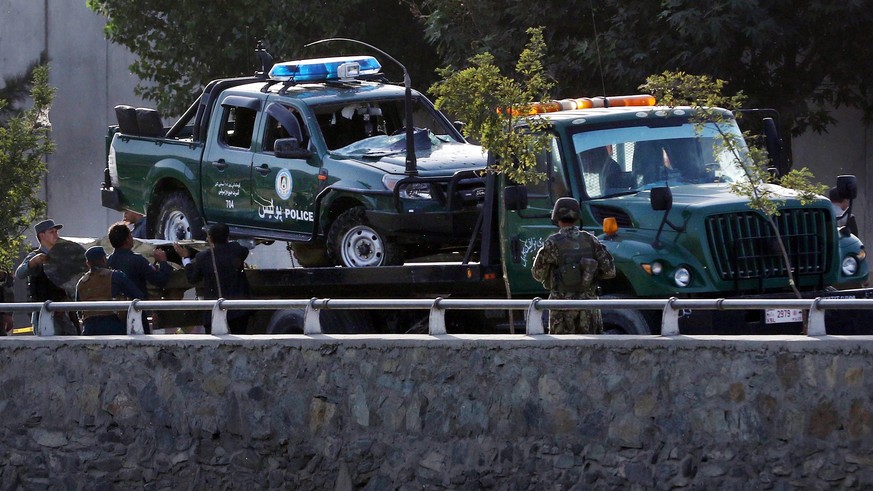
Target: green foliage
16	89
802	58
24	145
493	106
183	44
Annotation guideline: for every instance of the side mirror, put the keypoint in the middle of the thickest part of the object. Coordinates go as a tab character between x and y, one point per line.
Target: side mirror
515	198
773	142
847	187
661	198
289	148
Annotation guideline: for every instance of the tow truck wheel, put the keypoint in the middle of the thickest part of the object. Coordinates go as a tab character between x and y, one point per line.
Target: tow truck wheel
353	243
623	321
178	218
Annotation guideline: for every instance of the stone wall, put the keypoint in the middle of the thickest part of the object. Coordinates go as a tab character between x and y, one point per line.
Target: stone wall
455	412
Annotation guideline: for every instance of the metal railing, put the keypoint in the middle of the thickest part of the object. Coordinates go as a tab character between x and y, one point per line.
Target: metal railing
671	309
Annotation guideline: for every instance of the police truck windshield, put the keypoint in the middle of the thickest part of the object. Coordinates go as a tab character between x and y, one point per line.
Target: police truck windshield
630	159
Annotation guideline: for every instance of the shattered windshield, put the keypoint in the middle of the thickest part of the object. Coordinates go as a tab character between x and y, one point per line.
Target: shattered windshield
378	127
384	145
631	159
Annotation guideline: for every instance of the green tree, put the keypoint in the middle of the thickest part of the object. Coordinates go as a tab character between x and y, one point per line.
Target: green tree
183	44
801	58
25	143
492	105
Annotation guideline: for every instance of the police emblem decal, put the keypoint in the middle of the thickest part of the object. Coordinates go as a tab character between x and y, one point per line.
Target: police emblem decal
283	184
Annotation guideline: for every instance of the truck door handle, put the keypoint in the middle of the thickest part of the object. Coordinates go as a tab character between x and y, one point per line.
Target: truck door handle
220	164
263	169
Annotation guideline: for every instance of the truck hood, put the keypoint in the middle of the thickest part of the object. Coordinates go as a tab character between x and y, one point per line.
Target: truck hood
434	155
688	200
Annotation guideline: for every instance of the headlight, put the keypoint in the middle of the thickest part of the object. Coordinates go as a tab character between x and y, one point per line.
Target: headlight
850	265
682	277
418	190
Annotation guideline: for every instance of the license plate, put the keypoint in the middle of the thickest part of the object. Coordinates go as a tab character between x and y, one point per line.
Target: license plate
778	316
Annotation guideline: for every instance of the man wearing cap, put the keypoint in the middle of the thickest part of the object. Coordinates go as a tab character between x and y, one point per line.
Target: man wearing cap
39	286
228	259
102	283
569	264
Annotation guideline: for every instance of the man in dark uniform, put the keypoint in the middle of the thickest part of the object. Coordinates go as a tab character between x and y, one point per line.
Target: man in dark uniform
6	296
569	264
39	286
135	266
228	259
102	283
137	222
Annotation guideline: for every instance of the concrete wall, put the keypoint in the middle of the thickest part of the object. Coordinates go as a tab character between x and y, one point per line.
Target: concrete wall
847	148
91	76
455	412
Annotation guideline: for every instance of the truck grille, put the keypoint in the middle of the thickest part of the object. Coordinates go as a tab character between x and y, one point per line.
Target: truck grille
744	246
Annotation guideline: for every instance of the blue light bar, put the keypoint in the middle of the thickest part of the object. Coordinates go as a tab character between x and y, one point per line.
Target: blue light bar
322	69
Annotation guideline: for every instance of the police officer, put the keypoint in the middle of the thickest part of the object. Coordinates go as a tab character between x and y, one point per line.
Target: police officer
39	286
222	270
102	283
569	264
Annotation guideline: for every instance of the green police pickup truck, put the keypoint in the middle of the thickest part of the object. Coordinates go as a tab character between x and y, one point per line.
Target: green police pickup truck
315	153
321	154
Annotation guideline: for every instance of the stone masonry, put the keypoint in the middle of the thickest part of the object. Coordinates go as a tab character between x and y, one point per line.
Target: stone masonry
449	412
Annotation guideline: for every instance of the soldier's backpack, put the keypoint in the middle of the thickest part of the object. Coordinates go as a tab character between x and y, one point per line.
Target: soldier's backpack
576	268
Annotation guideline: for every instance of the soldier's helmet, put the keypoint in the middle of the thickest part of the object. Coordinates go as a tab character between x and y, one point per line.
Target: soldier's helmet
566	209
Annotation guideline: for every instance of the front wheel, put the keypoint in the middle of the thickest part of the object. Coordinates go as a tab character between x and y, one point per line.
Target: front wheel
352	242
624	321
178	218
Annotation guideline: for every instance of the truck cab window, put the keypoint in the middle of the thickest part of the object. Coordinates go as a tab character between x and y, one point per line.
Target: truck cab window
549	164
237	126
274	130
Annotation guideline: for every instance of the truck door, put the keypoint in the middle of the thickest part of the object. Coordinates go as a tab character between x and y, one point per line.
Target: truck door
526	230
284	187
226	167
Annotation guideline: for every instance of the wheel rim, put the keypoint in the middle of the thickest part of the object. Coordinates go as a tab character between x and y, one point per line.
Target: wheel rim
176	226
362	247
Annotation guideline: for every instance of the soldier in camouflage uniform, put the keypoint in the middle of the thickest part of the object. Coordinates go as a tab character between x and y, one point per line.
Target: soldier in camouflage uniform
569	264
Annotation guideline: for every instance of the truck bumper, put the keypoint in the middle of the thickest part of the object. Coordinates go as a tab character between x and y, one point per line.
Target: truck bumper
431	227
111	198
754	322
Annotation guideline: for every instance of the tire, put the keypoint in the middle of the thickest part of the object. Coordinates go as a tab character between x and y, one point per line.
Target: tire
353	243
291	321
178	218
309	256
624	321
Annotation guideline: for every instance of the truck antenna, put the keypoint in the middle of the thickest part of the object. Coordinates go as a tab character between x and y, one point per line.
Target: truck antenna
597	46
411	164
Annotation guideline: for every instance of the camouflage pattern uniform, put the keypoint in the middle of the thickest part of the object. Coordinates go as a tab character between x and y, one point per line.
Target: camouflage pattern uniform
545	269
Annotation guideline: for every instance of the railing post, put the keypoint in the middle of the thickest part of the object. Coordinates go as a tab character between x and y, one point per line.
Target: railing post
670	319
219	319
134	319
437	320
534	325
816	320
46	325
311	321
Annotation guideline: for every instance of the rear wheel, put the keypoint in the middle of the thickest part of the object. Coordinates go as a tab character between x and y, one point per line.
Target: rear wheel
178	218
352	242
